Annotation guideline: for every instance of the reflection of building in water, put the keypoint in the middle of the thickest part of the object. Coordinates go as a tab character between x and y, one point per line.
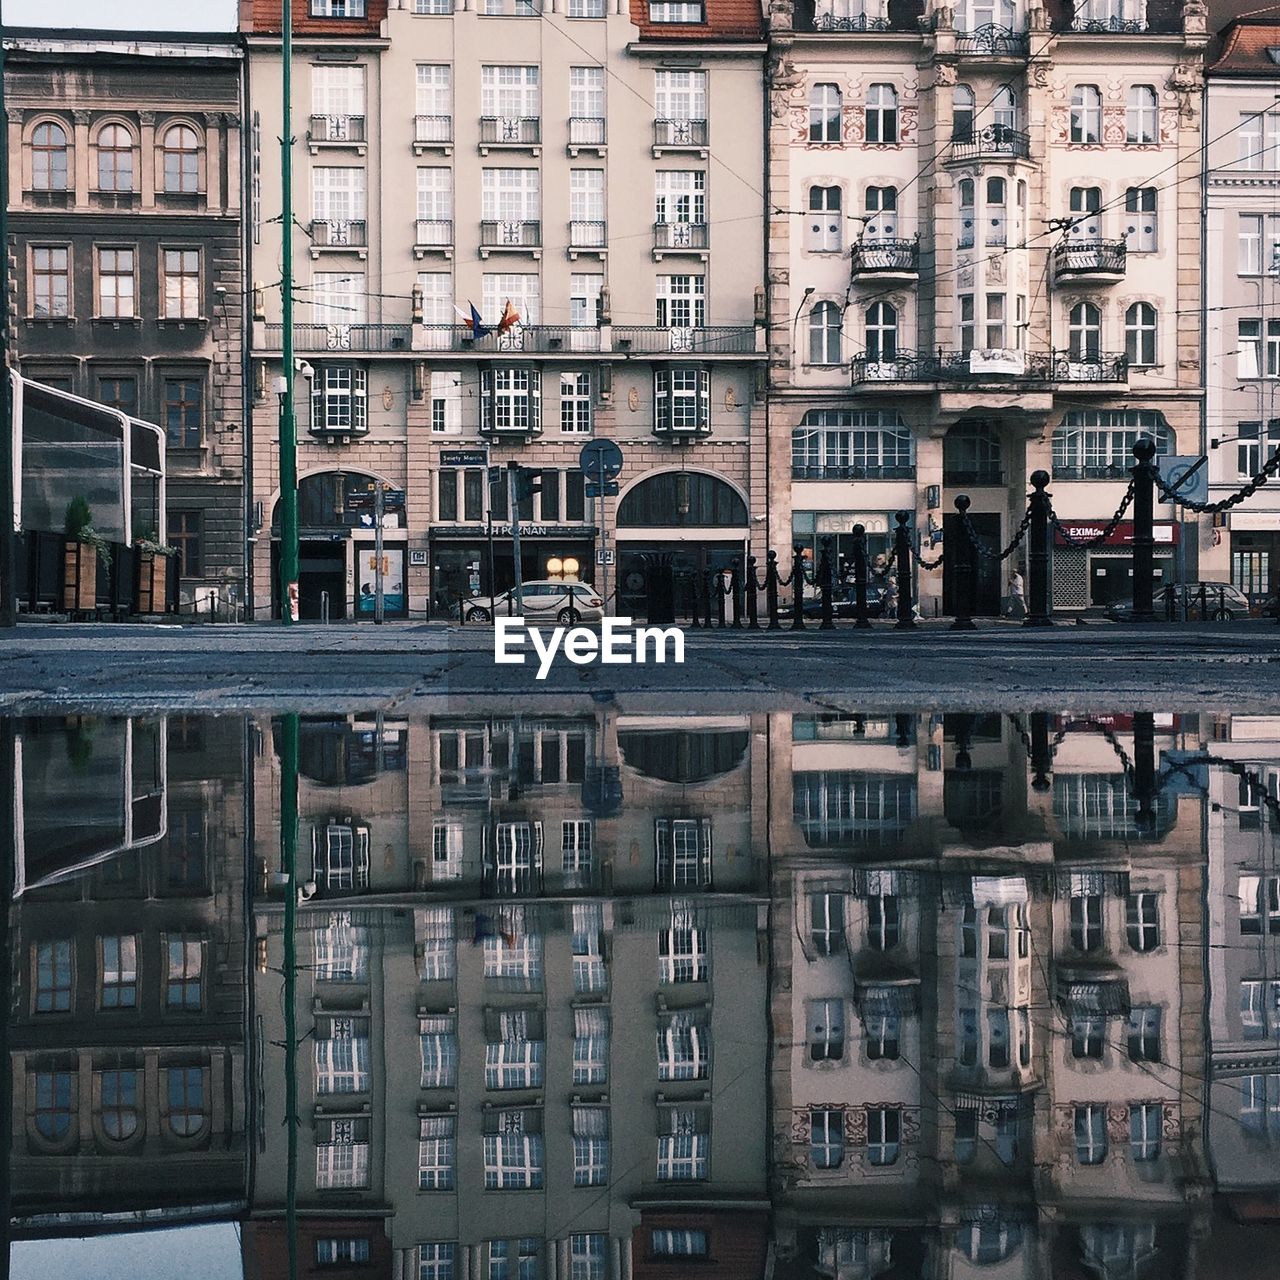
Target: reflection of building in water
992	977
532	997
1244	961
127	1030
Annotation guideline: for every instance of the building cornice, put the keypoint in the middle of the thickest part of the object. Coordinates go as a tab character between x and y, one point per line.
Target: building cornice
374	43
701	49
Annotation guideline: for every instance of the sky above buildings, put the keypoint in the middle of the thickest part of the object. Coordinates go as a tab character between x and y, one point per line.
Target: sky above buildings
122	15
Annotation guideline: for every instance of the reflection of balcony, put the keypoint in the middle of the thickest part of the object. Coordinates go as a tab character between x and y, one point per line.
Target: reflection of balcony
885	259
992	41
992	142
985	367
509	237
1098	260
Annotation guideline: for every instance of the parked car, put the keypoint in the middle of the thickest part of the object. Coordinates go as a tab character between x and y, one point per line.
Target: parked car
566	602
1221	602
844	602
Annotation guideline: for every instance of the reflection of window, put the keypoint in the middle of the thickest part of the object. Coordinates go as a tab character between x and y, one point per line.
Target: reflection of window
590	1045
333	1251
342	1154
446	850
184	1092
119	1103
1259	904
826	1138
670	1243
1091	1133
682	954
53	1104
826	923
342	1055
826	1030
513	1157
435	1261
439	1046
884	1134
884	925
1144	1033
119	988
1142	921
590	1146
589	971
436	1150
341	856
514	1053
184	982
1145	1122
1088	1031
587	1260
684	1046
683	853
1260	1104
341	950
684	1151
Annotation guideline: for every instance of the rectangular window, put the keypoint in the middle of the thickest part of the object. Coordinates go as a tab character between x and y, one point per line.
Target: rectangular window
118	392
181	284
682	853
512	1159
1142	921
437	1145
339	399
438	1042
966	322
1091	1134
1249	244
677	11
119	976
826	923
117	291
439	8
342	1155
586	9
337	198
447	493
184	973
995	321
446	402
590	974
590	1045
514	1059
512	400
682	400
884	1134
588	1257
681	302
338	298
590	1146
50	281
338	1251
684	1046
184	412
519	288
669	1243
1259	898
435	207
338	93
586	100
826	1138
826	1030
1146	1119
575	501
433	96
337	8
1141	222
1086	921
1259	140
509	195
342	1055
510	93
1088	1033
341	950
684	1151
682	954
575	403
680	99
680	197
185	536
1144	1033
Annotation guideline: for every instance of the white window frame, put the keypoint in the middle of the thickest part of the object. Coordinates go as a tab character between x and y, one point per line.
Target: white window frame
826	1137
438	1049
682	954
1142	116
882	123
1086	115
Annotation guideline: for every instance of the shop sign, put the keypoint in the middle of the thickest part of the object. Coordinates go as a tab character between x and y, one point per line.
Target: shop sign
504	531
1165	533
464	457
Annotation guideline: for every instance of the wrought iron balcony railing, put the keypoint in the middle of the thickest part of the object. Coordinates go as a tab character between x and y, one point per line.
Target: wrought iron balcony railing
655	340
337	129
339	233
846	471
586	131
1107	26
433	130
510	235
1090	258
993	41
992	142
825	22
433	233
678	236
680	133
1001	367
898	256
510	131
356	338
587	234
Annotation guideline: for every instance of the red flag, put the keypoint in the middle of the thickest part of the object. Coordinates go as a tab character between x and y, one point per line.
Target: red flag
510	318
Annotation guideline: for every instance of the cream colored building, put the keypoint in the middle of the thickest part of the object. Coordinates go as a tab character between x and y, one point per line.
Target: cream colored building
596	170
983	261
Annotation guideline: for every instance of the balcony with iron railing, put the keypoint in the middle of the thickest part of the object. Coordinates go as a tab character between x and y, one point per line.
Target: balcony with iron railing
710	340
680	237
992	142
432	132
337	131
852	471
821	17
339	234
1100	261
1003	368
992	40
509	237
587	236
432	235
679	135
586	132
882	259
359	339
520	132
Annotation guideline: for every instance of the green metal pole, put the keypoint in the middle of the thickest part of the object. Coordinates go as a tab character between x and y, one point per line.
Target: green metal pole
8	541
289	866
288	426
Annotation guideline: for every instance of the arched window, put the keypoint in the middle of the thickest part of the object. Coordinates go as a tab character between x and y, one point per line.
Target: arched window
53	1104
1086	114
1142	117
882	114
962	105
824	334
115	158
882	214
824	229
882	332
180	151
825	105
989	1242
996	215
185	1100
682	498
50	158
1140	323
967	215
1086	216
1005	108
1084	332
119	1103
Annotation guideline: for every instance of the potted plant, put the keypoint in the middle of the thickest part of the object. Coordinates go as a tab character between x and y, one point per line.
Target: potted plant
85	549
153	573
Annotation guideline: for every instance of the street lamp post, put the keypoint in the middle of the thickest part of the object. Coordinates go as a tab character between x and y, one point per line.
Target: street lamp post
288	426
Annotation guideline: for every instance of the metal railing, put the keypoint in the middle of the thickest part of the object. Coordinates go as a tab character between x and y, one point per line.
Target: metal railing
358	338
681	235
884	255
1105	26
586	131
1090	257
976	367
534	338
994	41
653	340
510	131
587	235
992	142
339	233
337	129
845	471
828	22
432	233
433	129
510	235
680	133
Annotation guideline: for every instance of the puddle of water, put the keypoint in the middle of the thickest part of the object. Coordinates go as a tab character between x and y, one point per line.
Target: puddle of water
601	996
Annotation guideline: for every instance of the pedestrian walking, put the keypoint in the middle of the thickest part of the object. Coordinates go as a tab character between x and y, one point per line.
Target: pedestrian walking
1016	606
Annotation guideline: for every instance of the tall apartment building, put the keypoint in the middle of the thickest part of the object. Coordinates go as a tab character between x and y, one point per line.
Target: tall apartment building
127	251
127	1036
984	260
589	166
532	1017
1242	236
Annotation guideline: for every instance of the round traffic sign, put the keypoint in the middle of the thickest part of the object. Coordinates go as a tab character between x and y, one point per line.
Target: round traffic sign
600	458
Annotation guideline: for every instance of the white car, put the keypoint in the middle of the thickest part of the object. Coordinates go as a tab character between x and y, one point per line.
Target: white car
565	602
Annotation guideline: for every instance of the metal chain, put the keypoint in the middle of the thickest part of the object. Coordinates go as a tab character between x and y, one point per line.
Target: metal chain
1270	467
931	564
985	551
1110	528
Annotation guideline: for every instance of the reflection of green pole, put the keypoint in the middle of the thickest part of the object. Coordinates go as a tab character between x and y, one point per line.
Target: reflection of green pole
289	865
8	543
288	426
8	860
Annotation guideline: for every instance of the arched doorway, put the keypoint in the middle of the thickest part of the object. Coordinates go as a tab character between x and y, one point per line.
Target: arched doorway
697	518
973	463
335	547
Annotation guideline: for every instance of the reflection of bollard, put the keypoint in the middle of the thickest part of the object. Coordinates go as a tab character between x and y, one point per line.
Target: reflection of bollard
902	556
1039	555
753	605
825	571
861	620
902	726
715	582
735	588
771	590
963	724
960	557
324	607
1144	771
1041	756
797	585
1144	543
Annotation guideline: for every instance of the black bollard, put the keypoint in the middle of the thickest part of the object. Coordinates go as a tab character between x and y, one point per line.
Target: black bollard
861	621
1041	756
753	605
825	571
902	728
902	557
1039	555
735	590
1144	771
771	589
960	556
1144	543
715	583
797	588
